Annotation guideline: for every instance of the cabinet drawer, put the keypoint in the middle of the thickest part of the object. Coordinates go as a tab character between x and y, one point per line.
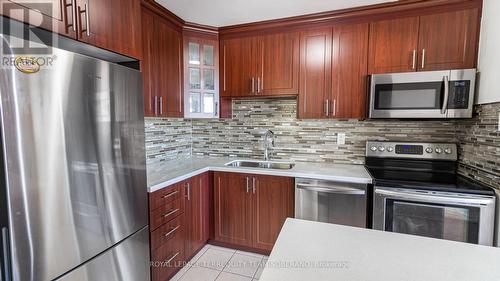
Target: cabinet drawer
165	213
167	232
168	258
166	195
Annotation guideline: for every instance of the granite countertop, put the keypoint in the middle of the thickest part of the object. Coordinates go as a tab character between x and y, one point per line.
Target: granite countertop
170	172
308	250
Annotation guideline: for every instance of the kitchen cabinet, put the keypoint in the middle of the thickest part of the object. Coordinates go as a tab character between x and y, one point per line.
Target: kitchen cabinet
201	72
161	66
430	42
333	72
260	66
96	22
196	198
251	209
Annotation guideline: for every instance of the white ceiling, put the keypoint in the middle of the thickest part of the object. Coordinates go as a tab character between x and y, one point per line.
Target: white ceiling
229	12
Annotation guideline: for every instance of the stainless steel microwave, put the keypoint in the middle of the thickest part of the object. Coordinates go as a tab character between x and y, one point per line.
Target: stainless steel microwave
431	94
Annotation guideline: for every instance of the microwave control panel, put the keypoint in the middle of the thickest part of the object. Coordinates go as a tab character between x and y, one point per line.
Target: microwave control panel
459	94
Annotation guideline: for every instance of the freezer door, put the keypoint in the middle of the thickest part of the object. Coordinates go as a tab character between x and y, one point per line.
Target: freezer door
127	261
73	136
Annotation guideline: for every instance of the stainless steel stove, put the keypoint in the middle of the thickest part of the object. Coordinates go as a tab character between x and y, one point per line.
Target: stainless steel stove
417	191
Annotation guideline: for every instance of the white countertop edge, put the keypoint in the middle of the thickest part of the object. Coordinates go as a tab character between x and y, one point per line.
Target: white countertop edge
282	173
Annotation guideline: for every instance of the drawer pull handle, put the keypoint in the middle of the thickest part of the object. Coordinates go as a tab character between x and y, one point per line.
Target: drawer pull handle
170	194
173	257
172	231
170	213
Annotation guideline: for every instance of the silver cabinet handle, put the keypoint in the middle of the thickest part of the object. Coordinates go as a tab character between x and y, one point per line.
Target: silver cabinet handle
155	100
336	190
253	185
253	85
161	105
423	58
170	194
414	59
188	186
446	95
327	108
258	85
87	19
173	257
171	231
334	108
248	184
472	200
170	213
73	15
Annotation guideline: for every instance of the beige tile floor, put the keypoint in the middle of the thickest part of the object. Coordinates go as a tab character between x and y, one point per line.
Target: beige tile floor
222	264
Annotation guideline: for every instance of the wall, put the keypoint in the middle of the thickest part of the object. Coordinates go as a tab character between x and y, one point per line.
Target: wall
167	139
303	140
479	143
489	55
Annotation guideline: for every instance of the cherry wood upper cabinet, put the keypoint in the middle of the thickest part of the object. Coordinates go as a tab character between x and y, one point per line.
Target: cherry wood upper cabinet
393	45
101	23
448	40
237	67
53	15
315	73
233	209
349	71
274	203
278	65
161	66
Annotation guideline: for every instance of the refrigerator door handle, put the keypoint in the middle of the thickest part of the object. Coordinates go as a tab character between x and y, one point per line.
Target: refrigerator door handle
5	254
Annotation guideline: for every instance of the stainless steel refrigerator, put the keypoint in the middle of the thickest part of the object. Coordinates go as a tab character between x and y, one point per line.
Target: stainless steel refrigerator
73	176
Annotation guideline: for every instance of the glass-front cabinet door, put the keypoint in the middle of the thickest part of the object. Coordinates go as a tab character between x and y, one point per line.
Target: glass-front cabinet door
201	87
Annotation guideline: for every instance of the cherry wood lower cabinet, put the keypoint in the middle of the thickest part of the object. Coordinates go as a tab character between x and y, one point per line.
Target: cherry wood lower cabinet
179	224
251	209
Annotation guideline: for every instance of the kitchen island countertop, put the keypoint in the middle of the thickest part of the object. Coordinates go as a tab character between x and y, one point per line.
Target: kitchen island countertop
167	173
308	250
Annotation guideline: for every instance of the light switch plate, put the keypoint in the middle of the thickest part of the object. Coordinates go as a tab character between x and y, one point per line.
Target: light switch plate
341	138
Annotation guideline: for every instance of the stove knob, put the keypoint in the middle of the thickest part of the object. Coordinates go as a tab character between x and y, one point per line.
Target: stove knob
390	149
439	150
373	148
429	150
448	151
381	148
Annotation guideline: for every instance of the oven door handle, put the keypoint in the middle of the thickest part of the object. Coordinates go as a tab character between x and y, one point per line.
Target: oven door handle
331	189
435	198
446	95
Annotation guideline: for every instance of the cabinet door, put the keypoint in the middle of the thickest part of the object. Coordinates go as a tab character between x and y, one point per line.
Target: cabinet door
315	73
274	203
147	63
449	40
393	45
196	210
278	65
53	15
349	71
169	69
233	209
238	67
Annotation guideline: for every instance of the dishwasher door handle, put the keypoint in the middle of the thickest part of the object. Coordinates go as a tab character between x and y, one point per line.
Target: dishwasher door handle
331	189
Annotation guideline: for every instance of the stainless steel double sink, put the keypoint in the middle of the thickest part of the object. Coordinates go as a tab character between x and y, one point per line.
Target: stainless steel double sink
261	164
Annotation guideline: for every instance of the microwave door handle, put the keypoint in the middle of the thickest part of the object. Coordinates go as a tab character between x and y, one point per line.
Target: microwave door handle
446	95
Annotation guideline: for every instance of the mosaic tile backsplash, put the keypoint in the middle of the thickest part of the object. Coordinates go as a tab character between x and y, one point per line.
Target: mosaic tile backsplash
316	140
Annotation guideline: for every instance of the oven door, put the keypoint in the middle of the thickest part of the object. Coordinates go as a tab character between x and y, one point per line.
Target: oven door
433	94
442	215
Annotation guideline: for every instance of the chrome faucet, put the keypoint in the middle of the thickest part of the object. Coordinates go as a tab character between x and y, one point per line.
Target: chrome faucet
268	140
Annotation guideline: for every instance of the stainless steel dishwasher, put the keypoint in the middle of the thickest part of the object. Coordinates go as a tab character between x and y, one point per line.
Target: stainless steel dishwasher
331	202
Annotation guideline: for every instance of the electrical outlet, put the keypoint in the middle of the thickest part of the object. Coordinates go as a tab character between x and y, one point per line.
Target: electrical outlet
341	138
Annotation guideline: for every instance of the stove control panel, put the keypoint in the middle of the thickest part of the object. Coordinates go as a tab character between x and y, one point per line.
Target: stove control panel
435	151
